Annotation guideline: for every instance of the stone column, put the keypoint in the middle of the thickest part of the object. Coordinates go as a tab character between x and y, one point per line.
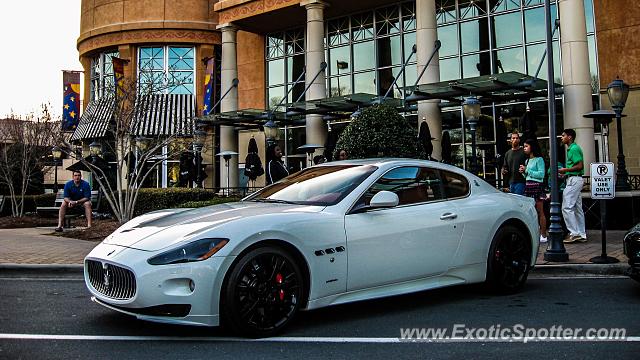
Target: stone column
576	77
426	36
315	129
229	71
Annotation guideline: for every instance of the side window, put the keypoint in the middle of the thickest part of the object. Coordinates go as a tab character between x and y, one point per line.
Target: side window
455	185
412	185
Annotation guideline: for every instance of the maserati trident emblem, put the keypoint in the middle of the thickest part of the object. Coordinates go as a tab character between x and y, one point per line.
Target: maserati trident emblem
106	280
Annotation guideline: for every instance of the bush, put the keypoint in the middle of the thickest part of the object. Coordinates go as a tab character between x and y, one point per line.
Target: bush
158	199
216	201
378	132
30	203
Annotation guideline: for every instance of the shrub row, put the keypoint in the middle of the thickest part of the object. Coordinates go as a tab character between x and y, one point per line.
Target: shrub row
158	199
30	203
216	201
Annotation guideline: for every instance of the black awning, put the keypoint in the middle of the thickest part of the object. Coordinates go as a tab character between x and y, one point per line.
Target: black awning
95	120
164	114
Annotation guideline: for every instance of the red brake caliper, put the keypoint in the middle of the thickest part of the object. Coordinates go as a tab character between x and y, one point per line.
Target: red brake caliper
279	282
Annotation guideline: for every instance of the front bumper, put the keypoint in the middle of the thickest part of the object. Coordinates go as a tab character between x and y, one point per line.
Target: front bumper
178	294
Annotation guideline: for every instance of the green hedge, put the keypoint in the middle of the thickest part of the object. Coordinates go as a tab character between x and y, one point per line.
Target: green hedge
30	203
198	204
158	199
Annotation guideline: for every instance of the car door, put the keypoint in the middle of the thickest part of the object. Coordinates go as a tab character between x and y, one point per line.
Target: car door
416	239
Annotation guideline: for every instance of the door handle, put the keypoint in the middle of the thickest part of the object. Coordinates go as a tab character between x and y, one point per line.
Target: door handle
448	216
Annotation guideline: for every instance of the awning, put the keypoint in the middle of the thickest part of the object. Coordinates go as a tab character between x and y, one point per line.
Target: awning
95	120
164	114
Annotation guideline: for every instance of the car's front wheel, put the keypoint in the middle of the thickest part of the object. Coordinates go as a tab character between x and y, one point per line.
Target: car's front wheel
509	260
263	292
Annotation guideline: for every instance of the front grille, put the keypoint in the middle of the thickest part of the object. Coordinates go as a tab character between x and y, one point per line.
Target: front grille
110	280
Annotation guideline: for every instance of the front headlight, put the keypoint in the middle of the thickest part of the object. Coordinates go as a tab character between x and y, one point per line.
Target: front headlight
194	251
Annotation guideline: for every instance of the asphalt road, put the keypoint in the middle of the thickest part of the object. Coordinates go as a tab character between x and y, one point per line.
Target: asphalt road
53	318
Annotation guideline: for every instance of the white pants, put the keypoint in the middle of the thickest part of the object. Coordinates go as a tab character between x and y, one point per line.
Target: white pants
572	206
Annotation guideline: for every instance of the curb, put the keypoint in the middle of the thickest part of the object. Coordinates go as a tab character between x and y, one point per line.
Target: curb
543	270
42	268
581	269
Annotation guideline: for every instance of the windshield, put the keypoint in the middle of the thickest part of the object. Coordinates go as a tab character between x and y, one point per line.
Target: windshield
323	186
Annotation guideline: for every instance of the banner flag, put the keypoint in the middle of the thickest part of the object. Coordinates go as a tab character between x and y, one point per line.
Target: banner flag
71	100
208	87
118	73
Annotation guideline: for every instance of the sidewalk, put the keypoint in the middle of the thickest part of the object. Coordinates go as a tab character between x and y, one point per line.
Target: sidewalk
36	248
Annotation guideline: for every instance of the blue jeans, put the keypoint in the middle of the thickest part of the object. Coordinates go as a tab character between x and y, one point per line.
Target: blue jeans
516	188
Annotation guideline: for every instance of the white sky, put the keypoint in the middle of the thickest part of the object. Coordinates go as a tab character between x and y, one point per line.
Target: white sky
38	42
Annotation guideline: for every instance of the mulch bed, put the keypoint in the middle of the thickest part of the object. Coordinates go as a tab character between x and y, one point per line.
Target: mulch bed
99	230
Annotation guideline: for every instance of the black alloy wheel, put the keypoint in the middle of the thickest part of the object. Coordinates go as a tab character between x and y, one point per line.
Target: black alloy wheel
509	260
263	292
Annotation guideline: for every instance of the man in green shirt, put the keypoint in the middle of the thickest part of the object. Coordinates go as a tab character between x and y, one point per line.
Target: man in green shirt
571	198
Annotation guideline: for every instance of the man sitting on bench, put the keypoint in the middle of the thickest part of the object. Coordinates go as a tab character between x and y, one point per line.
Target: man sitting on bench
77	192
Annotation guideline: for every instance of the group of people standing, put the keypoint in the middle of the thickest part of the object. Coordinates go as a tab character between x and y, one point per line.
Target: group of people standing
525	167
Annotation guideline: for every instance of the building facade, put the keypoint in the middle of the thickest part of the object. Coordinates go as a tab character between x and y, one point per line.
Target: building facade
268	44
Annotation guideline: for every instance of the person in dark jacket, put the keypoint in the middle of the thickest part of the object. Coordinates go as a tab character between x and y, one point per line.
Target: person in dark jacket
275	167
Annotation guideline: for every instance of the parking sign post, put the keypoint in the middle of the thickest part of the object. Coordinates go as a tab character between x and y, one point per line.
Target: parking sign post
603	188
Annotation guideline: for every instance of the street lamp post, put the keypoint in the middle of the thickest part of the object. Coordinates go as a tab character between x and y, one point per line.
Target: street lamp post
57	154
199	138
618	92
471	109
271	131
555	251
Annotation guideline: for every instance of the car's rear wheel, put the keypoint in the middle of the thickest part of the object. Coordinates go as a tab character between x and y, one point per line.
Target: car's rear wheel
263	292
509	260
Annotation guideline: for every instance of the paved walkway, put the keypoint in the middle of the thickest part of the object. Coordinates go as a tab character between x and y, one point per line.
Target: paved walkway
38	246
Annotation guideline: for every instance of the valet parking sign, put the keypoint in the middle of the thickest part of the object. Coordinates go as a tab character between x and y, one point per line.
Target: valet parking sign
602	181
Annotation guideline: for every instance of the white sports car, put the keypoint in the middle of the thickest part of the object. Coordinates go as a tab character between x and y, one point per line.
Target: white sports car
330	234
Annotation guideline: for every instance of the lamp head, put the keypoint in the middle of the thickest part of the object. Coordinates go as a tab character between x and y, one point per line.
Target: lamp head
95	148
56	152
618	92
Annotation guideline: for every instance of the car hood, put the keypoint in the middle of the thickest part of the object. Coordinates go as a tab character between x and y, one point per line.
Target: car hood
164	228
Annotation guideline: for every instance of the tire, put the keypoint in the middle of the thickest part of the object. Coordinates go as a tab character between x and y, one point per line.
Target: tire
509	260
262	293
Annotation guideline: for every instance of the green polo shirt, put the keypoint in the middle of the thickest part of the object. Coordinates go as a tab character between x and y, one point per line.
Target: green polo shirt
574	156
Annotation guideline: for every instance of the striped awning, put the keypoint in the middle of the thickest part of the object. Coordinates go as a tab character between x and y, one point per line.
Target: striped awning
164	114
95	120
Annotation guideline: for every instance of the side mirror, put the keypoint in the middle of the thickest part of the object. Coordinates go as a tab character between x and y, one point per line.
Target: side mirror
384	199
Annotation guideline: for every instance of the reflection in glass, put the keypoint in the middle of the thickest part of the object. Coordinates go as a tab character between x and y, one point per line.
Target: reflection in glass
364	83
295	67
339	55
476	65
275	46
534	24
410	74
363	58
385	80
593	64
474	36
389	51
276	72
588	14
275	95
507	29
340	85
534	55
509	60
449	69
448	36
409	41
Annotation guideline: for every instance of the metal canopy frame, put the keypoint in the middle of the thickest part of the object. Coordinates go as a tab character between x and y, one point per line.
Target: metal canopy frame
504	87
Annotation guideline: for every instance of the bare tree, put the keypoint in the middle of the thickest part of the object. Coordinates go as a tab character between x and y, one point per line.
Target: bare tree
26	142
135	150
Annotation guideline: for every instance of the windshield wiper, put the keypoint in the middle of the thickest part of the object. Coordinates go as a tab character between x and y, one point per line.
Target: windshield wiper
277	201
